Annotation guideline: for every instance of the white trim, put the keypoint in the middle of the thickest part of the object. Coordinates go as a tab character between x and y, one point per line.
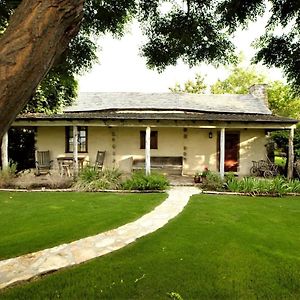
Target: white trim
75	150
4	151
147	151
222	153
291	153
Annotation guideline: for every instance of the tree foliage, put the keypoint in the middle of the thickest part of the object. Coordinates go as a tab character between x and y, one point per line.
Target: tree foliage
54	92
195	31
281	138
238	81
192	30
282	100
197	86
59	87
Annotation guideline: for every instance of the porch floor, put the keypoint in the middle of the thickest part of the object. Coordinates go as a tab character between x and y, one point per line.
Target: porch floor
181	180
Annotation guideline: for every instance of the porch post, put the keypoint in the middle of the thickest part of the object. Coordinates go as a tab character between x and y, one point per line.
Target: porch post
75	150
4	151
147	151
222	152
291	154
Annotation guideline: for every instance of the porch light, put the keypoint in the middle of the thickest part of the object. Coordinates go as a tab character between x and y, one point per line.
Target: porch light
210	135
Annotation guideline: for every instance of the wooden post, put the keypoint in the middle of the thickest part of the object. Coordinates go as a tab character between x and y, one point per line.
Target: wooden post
75	150
291	154
4	151
222	152
147	151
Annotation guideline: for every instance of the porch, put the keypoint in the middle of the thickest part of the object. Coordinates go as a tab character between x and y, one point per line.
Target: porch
218	146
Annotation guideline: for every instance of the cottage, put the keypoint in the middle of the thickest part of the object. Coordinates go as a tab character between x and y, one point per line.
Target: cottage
177	133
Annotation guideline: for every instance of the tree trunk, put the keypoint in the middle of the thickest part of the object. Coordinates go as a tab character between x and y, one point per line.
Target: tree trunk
38	33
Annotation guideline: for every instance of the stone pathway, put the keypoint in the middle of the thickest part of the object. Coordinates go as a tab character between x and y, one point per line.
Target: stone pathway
30	265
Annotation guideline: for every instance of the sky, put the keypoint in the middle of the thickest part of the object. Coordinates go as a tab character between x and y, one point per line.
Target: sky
122	69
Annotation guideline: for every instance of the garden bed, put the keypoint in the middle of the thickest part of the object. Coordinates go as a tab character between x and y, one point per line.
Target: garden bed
88	180
246	194
253	186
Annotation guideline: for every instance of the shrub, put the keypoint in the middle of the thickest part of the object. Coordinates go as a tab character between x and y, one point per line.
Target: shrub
142	182
213	181
91	179
89	174
233	184
7	175
277	186
249	185
293	186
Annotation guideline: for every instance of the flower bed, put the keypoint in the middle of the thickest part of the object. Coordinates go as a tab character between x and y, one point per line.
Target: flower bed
277	186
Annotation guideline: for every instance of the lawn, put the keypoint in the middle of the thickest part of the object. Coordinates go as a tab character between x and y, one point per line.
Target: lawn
34	221
219	247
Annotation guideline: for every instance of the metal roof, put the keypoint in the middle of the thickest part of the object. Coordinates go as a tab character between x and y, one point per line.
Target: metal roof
224	103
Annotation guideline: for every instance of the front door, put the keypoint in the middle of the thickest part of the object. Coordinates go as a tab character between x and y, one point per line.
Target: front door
232	147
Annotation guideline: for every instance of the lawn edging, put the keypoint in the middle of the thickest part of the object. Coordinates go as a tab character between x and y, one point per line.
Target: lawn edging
77	191
254	194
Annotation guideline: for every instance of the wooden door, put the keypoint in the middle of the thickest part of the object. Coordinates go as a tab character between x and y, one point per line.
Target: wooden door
232	147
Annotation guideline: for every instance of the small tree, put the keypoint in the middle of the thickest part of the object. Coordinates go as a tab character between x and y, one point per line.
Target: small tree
197	86
238	81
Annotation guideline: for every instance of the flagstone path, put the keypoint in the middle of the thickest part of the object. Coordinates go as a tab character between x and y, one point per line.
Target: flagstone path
30	265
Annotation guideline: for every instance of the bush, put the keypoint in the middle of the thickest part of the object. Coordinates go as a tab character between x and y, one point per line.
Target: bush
232	184
89	174
294	186
142	182
213	181
277	186
91	179
7	175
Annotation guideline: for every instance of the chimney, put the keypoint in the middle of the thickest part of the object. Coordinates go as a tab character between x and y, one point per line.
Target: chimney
260	91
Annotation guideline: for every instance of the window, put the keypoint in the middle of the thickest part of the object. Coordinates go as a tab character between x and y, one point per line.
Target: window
82	139
153	140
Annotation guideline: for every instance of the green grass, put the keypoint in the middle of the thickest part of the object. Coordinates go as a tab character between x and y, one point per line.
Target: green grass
220	247
34	221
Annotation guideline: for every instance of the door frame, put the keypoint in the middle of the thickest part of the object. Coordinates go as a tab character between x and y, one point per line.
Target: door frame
238	133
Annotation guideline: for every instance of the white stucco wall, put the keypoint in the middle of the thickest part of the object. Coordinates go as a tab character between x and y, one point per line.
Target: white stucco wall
122	144
252	147
52	139
170	143
201	150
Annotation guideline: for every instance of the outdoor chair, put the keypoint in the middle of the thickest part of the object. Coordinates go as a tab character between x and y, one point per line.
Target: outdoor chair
99	160
43	163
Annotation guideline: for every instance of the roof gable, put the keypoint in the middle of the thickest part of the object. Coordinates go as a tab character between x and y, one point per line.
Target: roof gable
248	104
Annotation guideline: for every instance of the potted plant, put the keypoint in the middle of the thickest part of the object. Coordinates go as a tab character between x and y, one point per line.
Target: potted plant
204	174
198	177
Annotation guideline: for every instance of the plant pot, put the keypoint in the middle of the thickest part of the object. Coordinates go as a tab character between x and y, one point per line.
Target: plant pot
203	179
197	179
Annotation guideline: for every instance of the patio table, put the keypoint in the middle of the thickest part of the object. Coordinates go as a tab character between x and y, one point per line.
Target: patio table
66	164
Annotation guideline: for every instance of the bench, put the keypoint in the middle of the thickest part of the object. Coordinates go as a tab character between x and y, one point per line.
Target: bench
171	165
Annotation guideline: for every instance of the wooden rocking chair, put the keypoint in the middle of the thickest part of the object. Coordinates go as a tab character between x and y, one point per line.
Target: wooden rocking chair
99	160
43	163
